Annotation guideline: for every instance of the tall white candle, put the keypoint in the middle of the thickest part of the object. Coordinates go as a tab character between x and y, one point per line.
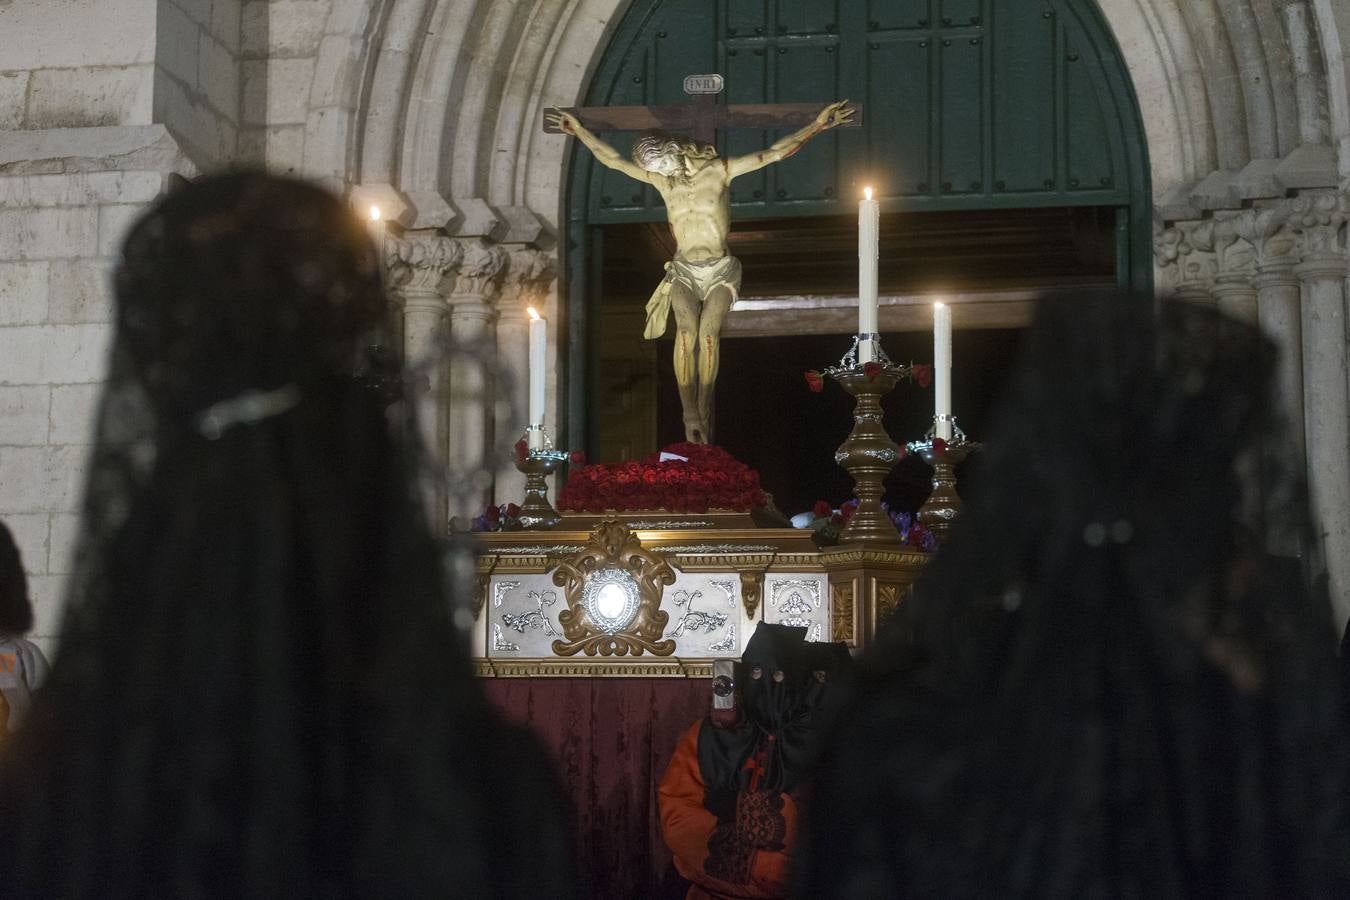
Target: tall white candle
868	227
538	352
942	369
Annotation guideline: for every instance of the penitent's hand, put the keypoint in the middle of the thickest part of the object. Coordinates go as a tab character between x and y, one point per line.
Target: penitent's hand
837	113
563	121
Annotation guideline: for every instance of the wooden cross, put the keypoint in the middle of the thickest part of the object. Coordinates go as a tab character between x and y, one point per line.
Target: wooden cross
701	118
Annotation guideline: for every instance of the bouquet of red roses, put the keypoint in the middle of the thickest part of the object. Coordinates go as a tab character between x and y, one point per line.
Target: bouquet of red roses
693	478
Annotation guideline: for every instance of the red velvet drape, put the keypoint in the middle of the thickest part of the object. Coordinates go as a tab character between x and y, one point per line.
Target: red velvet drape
612	739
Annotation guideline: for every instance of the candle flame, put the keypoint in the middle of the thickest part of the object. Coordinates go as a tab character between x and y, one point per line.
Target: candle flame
867	193
534	313
374	214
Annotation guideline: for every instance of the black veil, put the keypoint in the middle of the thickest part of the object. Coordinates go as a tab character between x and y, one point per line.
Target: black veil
1104	685
259	690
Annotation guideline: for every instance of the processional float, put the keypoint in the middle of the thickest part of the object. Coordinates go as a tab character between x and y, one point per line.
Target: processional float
671	589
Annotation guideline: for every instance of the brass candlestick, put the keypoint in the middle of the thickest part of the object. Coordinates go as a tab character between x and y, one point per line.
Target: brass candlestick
943	506
536	512
868	455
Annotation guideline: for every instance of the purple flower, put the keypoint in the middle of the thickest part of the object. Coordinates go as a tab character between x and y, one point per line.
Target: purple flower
928	543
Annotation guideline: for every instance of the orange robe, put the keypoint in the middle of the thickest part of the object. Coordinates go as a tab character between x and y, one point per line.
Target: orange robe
689	828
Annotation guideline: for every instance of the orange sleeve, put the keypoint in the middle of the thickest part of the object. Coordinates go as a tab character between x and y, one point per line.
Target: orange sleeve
686	825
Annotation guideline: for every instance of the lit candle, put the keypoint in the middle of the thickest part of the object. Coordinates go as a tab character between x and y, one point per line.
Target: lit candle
538	352
376	226
868	221
942	369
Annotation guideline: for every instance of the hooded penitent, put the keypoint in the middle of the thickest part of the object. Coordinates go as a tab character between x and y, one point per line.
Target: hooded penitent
787	688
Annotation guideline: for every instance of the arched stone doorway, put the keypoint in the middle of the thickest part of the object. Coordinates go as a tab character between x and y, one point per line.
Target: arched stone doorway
997	133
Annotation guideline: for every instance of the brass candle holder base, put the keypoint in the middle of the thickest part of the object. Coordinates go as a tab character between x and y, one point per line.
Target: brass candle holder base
536	512
943	506
868	455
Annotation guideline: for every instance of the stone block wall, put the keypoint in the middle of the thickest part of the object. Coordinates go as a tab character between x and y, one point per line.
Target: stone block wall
197	83
281	44
59	234
76	63
100	100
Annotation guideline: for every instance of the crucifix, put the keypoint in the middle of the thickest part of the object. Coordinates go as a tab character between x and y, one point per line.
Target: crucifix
675	154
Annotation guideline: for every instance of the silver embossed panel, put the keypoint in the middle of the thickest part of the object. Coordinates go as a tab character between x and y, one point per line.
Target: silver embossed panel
522	619
798	599
705	615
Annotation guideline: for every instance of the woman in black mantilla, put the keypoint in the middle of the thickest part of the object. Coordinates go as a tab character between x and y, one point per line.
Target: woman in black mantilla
732	794
260	692
1104	686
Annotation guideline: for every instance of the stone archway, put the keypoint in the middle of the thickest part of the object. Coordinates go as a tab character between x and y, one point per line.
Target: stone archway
433	103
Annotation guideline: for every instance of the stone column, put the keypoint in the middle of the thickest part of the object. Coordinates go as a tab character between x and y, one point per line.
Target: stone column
419	265
1280	315
472	360
526	284
1233	291
1322	275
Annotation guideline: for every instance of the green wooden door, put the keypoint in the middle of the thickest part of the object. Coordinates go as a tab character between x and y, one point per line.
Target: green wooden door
969	104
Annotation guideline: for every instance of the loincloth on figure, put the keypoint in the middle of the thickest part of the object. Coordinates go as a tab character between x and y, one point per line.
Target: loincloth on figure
700	278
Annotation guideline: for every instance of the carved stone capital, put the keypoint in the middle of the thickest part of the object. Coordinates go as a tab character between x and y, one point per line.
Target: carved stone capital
1166	245
1234	253
1318	218
480	268
1266	228
529	273
1191	247
421	262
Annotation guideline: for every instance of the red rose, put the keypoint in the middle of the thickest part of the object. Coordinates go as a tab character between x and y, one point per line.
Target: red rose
872	369
522	450
922	374
939	446
822	510
814	381
512	511
577	458
492	514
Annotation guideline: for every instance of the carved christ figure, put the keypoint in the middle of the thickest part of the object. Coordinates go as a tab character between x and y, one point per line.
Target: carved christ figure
703	279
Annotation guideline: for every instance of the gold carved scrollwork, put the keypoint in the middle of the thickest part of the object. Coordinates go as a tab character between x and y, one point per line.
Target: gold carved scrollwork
841	611
888	598
752	591
612	546
480	592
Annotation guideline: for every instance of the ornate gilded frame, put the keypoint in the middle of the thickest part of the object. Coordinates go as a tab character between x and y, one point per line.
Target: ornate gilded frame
613	548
